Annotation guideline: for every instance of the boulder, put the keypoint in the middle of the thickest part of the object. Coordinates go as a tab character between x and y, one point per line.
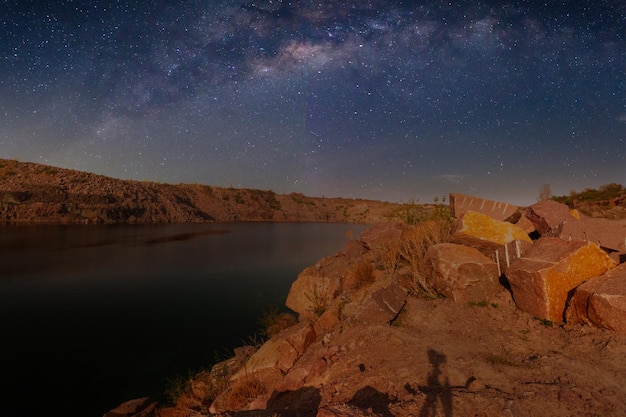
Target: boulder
543	277
461	203
548	217
525	224
601	301
266	367
315	287
139	407
381	233
608	234
382	305
462	273
490	235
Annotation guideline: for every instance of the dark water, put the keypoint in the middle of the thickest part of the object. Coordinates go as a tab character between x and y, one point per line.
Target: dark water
91	316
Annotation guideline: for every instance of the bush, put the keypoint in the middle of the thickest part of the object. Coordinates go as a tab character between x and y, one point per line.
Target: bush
273	322
362	272
411	250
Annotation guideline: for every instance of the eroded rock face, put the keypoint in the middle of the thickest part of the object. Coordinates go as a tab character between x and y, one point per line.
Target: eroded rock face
548	217
462	273
541	280
601	301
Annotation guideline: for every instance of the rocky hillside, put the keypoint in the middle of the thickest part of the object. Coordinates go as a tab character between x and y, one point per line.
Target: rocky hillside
607	201
480	317
32	192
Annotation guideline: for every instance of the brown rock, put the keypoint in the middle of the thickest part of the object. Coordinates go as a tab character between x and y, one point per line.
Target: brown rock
315	288
548	217
525	224
382	305
354	248
462	273
541	280
381	233
265	368
608	234
461	203
601	301
326	322
139	407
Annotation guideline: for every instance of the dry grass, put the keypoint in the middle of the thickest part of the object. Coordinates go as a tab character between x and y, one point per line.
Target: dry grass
198	392
273	322
362	272
410	251
244	392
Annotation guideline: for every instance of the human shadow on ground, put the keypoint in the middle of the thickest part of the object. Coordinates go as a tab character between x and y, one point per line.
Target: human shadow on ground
436	391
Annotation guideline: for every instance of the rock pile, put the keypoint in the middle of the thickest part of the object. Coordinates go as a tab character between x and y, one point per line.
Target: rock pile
485	254
541	258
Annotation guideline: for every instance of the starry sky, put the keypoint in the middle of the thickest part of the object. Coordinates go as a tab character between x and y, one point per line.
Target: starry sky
368	99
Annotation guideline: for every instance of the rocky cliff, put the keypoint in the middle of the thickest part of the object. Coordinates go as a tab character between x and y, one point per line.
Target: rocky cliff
32	193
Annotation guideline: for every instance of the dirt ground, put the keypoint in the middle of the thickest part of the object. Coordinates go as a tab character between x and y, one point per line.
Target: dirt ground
441	358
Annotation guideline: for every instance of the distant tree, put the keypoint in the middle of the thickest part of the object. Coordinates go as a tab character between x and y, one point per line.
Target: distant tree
545	193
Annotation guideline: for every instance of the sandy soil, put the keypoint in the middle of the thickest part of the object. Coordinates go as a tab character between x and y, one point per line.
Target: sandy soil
441	358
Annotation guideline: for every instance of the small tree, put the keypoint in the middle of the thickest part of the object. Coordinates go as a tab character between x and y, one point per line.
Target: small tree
545	193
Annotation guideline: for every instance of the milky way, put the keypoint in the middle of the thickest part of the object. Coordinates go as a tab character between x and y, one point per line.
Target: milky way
371	99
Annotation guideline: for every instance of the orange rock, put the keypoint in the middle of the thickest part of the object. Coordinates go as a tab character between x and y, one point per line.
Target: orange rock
314	289
542	279
462	273
479	230
601	301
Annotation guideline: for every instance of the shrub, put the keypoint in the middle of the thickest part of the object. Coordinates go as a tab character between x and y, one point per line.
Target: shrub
244	392
273	321
411	250
318	303
362	272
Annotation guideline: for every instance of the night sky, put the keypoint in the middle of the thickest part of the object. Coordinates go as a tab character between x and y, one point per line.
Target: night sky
369	99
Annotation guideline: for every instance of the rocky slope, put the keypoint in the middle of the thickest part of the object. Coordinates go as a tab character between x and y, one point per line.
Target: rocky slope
32	192
401	324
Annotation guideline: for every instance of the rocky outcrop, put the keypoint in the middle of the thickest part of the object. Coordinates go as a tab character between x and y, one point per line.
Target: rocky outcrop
542	279
266	367
462	273
350	306
601	301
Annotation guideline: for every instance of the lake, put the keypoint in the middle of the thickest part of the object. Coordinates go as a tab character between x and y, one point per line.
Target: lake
91	316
